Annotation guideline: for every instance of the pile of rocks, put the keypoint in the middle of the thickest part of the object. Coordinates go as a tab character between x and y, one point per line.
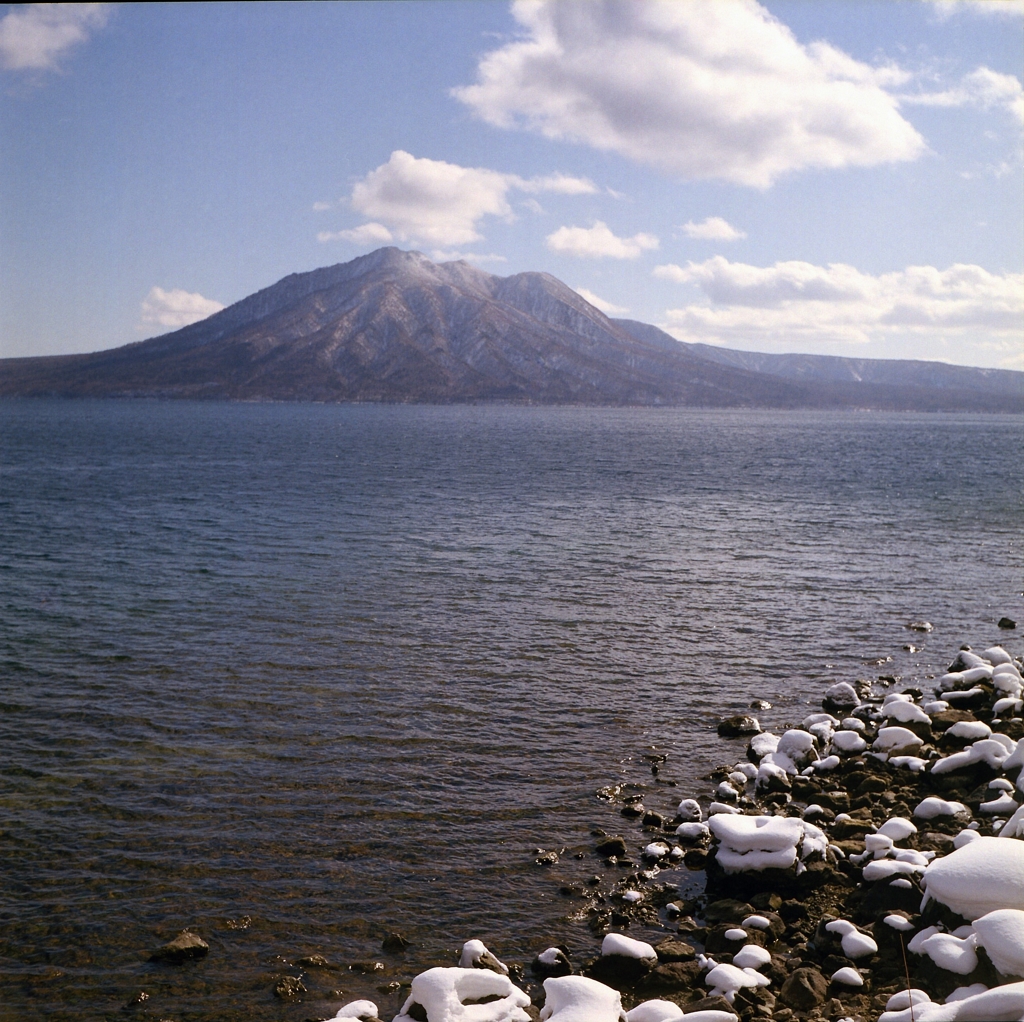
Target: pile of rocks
866	864
848	860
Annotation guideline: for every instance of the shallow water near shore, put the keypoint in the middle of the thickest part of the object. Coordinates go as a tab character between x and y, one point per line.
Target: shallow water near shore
296	676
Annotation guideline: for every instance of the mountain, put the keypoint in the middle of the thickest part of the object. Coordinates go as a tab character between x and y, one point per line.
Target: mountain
394	326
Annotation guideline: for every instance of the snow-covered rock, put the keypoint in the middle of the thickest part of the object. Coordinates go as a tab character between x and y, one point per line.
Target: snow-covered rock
693	832
932	806
627	947
1001	934
898	922
1000	1004
798	745
896	739
751	956
848	976
476	956
905	712
442	994
848	742
983	876
764	842
996	656
654	1011
763	745
726	980
579	999
842	695
855	944
954	954
656	850
356	1011
969	730
897	828
690	810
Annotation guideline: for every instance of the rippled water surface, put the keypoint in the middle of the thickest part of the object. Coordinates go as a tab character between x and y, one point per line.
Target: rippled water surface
295	676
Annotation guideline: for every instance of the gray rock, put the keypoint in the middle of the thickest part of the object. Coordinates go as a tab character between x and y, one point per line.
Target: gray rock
395	942
805	989
728	910
672	976
739	725
707	1004
673	950
561	966
313	962
185	947
288	988
612	846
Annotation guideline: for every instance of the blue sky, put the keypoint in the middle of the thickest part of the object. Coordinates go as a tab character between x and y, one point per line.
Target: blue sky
829	177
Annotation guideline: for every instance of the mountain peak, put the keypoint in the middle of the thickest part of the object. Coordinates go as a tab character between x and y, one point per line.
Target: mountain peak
393	325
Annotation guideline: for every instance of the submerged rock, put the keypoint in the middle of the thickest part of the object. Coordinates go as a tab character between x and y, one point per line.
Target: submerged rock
289	988
395	942
185	947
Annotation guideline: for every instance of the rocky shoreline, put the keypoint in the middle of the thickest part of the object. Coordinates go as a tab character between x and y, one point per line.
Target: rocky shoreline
865	864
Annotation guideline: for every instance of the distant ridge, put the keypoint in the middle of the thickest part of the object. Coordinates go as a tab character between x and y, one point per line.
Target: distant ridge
393	326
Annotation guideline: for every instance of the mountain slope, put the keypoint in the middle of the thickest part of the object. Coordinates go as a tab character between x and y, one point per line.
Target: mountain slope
394	326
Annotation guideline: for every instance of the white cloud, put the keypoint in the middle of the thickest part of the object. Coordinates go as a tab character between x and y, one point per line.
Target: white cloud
992	8
176	308
560	184
365	234
983	88
599	303
794	305
35	36
598	242
713	228
430	201
701	90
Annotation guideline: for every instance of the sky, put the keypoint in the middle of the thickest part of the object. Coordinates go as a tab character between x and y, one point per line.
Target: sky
834	177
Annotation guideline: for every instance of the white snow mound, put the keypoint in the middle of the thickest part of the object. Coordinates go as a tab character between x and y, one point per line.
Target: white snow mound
764	842
982	876
1001	934
442	992
627	947
579	999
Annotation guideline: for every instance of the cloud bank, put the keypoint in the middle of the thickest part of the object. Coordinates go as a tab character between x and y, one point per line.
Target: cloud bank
700	90
35	37
176	308
795	304
432	202
598	242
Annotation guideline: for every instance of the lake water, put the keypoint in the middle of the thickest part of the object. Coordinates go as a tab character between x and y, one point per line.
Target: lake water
297	675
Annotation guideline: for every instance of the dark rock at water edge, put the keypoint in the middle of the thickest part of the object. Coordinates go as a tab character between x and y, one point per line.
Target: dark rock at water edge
185	947
395	942
738	726
612	846
289	988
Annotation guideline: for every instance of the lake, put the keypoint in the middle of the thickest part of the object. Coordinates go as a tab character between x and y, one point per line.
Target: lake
296	676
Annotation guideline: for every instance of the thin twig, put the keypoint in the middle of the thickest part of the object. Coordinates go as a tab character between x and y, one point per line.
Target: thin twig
906	970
